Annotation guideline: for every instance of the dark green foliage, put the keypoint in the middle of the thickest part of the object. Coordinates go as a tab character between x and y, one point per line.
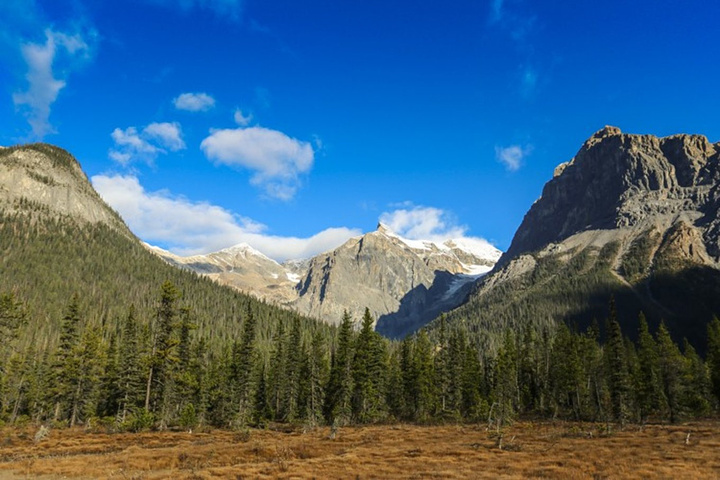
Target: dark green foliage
671	372
617	369
713	357
369	368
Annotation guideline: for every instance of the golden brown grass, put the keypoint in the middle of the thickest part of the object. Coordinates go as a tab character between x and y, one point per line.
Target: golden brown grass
529	450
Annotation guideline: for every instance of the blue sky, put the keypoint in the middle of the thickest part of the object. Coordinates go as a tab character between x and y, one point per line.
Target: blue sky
293	125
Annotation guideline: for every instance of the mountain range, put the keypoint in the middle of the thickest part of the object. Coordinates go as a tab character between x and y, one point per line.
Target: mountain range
630	217
404	283
634	217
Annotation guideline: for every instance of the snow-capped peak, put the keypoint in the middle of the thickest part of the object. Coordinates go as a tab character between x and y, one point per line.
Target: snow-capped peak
245	249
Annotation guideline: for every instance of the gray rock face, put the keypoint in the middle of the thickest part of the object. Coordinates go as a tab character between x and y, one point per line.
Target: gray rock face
241	267
49	178
404	283
635	217
621	181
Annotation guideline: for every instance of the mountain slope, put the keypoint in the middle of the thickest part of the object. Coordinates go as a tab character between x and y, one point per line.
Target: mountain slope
405	283
57	238
634	216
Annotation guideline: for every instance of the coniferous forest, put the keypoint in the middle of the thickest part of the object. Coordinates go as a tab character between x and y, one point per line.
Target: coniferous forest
157	372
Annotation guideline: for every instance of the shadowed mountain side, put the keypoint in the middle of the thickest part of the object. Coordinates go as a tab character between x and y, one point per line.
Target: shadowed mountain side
421	304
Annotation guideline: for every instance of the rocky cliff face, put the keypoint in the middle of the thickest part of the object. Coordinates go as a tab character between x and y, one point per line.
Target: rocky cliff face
42	176
634	216
620	181
405	283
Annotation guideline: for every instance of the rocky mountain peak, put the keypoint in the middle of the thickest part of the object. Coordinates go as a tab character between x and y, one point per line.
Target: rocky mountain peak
44	177
620	180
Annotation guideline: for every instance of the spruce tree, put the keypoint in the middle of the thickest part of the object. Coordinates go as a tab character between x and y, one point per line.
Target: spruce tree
65	365
163	354
338	409
671	373
647	381
423	378
617	374
713	358
244	365
369	368
130	383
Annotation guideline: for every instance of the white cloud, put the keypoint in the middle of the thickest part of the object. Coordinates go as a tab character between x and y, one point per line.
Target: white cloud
166	134
417	222
276	159
512	156
132	145
43	86
241	119
194	102
187	227
422	223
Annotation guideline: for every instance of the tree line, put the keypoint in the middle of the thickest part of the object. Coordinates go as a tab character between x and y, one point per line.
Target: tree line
158	372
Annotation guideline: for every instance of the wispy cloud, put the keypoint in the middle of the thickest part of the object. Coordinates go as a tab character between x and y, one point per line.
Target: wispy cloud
418	222
194	102
512	156
243	120
188	227
277	160
145	145
422	223
43	81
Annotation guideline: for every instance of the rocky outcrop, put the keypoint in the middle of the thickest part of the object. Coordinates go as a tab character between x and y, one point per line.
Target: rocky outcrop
619	181
632	216
243	268
44	177
405	283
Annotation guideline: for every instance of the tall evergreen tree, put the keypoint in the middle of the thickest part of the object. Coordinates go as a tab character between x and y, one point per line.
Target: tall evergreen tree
338	408
671	371
422	389
616	363
244	365
369	368
65	365
713	357
130	383
163	354
647	381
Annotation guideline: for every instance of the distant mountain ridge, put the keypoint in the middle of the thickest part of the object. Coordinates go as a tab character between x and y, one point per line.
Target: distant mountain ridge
404	283
630	216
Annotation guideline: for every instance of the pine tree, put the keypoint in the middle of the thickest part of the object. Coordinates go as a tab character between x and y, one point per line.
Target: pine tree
647	382
671	371
423	376
618	375
369	373
130	385
277	374
163	353
244	365
317	372
697	383
84	384
505	390
713	357
442	369
338	409
566	372
65	365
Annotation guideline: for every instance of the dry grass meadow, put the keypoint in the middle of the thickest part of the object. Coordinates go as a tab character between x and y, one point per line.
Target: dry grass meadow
529	450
